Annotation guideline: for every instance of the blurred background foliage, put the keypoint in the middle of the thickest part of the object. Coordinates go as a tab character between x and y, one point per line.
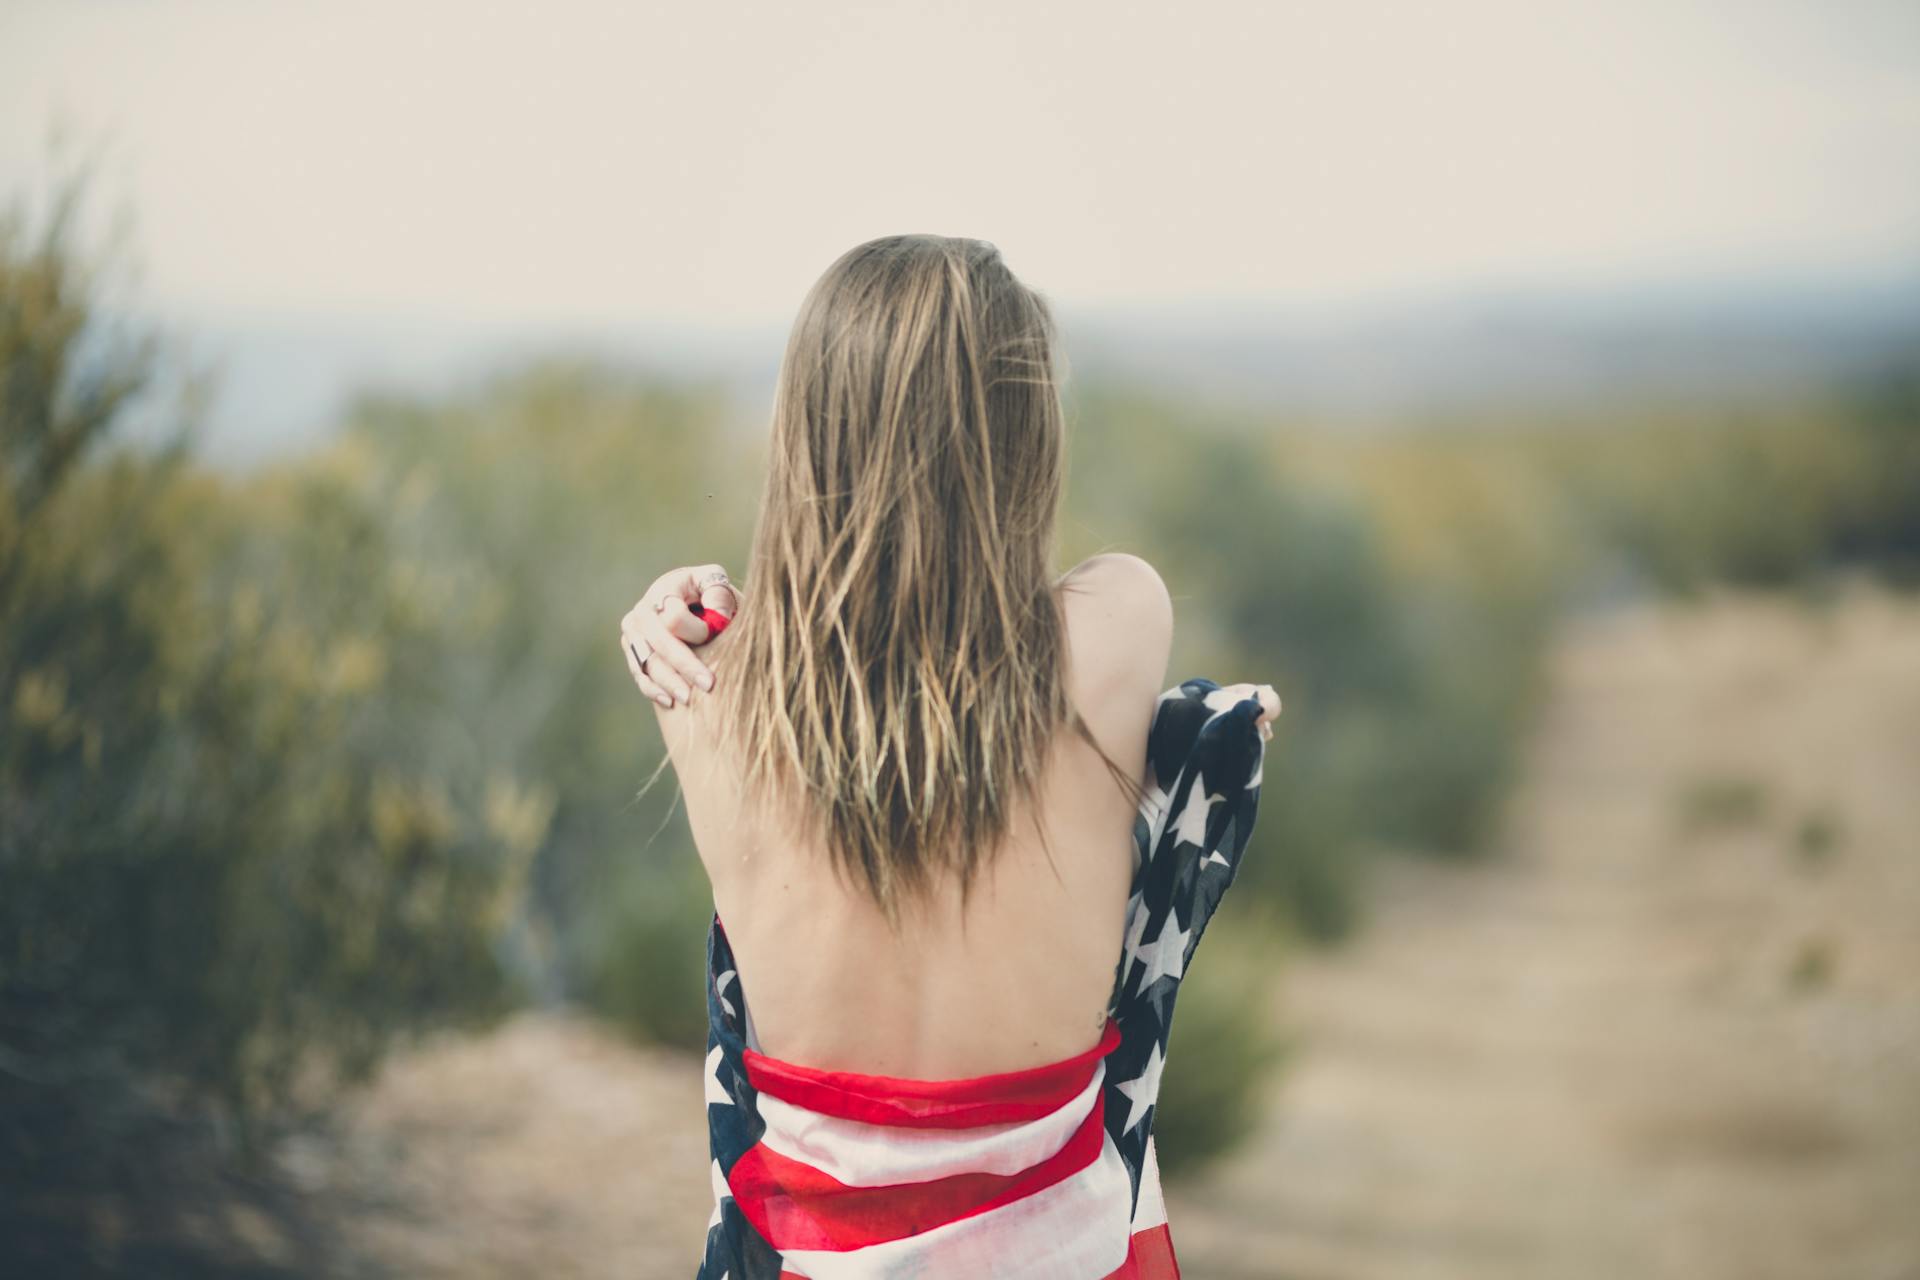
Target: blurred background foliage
298	761
248	832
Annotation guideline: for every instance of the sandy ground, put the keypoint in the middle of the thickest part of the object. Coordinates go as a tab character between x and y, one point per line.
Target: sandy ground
1672	1028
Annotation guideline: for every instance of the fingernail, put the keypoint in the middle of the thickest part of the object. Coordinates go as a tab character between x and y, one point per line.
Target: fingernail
705	679
664	700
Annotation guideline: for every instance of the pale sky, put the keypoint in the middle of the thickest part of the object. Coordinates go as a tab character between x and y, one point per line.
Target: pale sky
574	162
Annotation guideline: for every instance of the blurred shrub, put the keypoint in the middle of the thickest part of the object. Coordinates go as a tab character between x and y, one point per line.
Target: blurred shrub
1720	804
231	864
1699	496
1879	522
530	512
1399	587
644	960
1225	1042
1397	607
1818	837
1477	563
1813	964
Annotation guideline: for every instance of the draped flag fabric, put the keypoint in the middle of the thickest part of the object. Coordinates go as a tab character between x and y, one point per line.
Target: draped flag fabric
1043	1174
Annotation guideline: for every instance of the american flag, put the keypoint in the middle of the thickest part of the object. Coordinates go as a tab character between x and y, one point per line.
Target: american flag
1044	1174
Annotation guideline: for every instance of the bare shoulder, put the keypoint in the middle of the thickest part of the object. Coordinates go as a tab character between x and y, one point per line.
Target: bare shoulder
1117	587
1120	619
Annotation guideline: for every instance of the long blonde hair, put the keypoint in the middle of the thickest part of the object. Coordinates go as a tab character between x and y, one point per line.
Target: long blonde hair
899	661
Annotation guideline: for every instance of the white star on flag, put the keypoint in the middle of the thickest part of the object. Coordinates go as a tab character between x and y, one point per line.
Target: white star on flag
1143	1090
1219	700
1166	955
716	1092
1192	826
720	989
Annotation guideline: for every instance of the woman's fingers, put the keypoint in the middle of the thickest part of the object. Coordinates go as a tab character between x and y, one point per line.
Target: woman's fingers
697	584
638	668
658	647
643	635
705	579
1269	699
652	687
669	631
717	595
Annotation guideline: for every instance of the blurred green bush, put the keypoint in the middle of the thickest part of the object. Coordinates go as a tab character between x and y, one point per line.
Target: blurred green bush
1226	1041
543	503
241	844
1697	495
1399	611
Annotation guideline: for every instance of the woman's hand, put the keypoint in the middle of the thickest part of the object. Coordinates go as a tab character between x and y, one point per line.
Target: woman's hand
1269	710
1269	705
656	633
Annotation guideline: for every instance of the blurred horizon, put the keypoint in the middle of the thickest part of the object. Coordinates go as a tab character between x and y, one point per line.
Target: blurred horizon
1344	217
283	382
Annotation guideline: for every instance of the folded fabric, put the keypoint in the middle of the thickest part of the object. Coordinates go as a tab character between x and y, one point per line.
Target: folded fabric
1043	1174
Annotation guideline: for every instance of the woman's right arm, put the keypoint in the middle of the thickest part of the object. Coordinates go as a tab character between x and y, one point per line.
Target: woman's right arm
658	634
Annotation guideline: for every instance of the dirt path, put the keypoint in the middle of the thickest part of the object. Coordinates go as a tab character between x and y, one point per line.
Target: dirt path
1672	1031
549	1148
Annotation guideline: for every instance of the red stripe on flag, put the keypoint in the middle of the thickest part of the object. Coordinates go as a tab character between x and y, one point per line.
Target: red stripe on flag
1149	1257
795	1206
931	1104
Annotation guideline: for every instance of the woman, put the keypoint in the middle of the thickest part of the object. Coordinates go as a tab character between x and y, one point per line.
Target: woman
959	919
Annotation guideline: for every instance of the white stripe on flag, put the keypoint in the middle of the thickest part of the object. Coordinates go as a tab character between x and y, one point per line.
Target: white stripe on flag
1151	1209
879	1155
1075	1229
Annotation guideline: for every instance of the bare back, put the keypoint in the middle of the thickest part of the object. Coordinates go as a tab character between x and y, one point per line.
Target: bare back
1025	977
